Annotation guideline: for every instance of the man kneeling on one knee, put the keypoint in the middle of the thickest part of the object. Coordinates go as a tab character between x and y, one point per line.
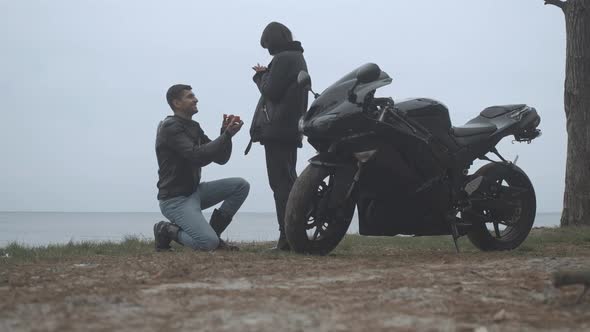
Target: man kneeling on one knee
183	149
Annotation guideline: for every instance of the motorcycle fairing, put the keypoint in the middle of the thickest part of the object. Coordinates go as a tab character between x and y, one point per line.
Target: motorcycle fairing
390	205
483	132
334	103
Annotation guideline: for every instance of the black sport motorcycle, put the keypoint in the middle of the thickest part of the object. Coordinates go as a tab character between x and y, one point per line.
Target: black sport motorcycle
406	169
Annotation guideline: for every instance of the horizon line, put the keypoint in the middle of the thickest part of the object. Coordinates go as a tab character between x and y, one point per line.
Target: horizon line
46	211
56	211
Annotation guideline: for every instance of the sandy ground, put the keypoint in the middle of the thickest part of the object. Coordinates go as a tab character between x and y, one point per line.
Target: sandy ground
397	289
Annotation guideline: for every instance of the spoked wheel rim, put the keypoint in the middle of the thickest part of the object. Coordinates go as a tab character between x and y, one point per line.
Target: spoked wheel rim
318	218
502	214
315	220
505	226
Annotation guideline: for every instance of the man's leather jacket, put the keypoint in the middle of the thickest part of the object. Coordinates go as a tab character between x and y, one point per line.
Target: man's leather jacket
182	149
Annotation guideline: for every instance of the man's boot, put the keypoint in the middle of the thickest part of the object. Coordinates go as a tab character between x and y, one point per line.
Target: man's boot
282	243
164	233
281	204
219	223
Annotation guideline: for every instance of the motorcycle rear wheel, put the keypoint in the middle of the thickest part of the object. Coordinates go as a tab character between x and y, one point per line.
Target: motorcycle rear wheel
503	232
310	225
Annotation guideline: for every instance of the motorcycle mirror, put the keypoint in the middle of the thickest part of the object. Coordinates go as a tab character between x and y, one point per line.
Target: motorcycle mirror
368	73
365	74
304	82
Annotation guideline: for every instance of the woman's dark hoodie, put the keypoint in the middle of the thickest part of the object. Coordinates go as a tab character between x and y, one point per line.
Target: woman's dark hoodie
282	102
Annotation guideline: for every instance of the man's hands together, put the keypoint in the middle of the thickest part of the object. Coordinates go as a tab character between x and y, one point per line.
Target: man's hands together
232	124
259	69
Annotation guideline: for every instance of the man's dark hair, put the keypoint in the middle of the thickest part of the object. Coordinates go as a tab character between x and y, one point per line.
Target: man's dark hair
175	92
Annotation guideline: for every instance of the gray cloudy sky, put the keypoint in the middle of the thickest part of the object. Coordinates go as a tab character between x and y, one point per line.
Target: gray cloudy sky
82	83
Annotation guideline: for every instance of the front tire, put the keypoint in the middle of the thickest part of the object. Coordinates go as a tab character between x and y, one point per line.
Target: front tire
503	231
311	226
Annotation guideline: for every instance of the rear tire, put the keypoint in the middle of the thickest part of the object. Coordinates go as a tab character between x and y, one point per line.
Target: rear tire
504	232
311	227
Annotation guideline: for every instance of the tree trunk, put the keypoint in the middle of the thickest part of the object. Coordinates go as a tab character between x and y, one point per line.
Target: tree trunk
576	199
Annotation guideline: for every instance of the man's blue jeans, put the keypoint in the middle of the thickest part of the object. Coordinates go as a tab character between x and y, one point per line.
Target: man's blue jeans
186	212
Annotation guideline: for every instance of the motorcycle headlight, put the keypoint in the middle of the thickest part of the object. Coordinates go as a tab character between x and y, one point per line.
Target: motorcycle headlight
364	156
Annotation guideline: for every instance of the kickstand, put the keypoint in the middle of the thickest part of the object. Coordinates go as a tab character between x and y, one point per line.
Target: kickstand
455	233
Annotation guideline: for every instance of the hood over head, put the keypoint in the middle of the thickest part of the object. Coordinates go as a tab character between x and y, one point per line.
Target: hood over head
277	38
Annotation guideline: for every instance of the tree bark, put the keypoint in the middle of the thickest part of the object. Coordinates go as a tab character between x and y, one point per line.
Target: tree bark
576	199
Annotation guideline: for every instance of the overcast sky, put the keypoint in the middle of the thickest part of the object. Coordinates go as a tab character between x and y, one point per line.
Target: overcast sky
82	83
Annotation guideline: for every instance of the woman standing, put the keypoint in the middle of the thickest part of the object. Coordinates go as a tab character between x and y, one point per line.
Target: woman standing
277	114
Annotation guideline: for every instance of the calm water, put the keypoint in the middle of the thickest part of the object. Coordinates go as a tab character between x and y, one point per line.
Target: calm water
41	228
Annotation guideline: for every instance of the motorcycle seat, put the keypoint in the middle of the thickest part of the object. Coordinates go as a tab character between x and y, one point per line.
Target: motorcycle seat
495	111
473	128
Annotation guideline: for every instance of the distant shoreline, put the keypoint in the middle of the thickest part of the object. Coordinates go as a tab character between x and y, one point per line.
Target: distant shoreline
239	212
134	212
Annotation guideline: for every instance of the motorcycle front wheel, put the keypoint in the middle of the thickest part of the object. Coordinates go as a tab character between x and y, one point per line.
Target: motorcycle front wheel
313	226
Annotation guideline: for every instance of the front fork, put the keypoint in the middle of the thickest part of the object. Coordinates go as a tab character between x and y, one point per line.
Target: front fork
346	174
355	180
